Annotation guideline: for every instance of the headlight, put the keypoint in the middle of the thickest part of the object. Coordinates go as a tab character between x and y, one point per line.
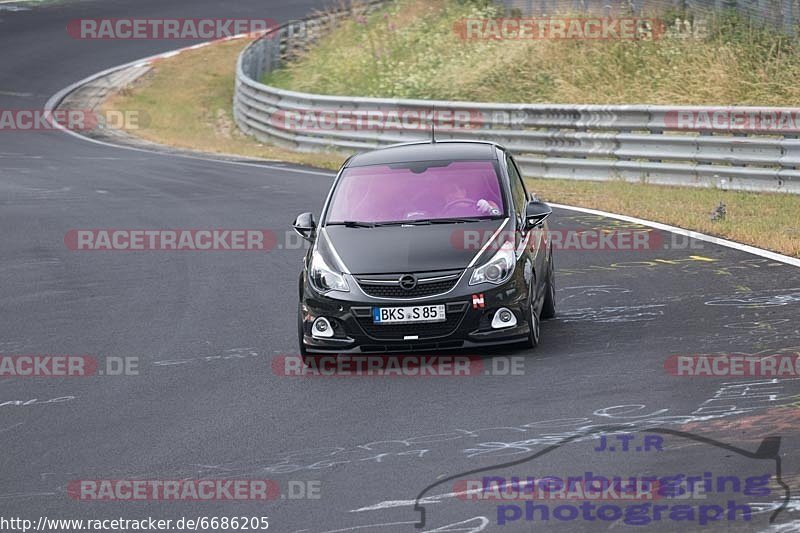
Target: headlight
323	278
498	269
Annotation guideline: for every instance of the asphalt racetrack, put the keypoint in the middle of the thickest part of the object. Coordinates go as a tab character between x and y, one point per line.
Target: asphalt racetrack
348	453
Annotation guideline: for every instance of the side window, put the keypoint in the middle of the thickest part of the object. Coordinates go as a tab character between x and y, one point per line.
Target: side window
518	194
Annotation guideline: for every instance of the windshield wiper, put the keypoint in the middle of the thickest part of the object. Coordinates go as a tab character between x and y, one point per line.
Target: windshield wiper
401	222
352	224
443	220
356	224
359	224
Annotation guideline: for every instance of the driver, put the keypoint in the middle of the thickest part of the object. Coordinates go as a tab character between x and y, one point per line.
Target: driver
483	206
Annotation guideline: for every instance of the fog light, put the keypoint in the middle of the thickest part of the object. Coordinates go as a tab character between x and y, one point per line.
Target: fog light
503	318
322	328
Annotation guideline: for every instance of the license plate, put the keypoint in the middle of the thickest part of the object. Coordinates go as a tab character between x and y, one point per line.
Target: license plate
408	315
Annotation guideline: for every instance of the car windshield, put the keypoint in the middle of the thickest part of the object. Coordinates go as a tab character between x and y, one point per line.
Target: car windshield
417	192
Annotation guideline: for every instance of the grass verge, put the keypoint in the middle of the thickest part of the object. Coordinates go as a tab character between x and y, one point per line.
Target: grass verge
414	49
770	221
188	98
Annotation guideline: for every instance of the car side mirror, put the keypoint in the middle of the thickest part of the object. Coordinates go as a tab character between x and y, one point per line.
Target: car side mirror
535	213
304	225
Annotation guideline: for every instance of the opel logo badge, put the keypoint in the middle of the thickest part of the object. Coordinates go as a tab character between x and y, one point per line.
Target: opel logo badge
408	281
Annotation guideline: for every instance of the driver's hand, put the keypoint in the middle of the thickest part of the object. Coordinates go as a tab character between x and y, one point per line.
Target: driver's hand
486	207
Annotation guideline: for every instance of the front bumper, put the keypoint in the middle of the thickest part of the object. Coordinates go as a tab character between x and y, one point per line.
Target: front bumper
467	324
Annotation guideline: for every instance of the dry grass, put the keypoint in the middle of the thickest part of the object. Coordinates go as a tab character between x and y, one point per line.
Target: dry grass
770	221
410	50
189	101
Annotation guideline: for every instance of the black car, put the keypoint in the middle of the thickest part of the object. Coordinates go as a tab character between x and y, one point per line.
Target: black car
426	246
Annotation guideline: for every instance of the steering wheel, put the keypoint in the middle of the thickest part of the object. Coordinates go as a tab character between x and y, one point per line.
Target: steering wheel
451	204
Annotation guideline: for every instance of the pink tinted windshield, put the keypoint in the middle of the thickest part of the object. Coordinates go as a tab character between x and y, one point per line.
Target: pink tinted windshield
382	194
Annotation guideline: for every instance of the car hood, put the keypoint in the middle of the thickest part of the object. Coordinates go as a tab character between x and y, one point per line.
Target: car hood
396	249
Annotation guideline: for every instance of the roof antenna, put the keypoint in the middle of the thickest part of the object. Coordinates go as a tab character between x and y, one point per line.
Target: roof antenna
433	124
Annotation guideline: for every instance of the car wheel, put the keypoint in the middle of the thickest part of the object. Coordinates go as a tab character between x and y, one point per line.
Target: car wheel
549	307
533	319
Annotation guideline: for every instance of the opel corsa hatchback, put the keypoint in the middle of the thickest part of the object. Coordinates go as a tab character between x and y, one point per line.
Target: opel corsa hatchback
425	246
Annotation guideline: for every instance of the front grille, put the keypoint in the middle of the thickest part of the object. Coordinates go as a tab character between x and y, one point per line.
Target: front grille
395	291
388	286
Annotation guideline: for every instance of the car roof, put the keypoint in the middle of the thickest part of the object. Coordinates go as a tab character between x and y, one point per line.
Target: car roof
426	151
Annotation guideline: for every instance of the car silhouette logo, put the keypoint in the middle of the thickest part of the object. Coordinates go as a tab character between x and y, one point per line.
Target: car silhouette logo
408	281
768	449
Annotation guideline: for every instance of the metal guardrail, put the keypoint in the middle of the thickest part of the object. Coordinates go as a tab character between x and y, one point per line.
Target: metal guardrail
748	148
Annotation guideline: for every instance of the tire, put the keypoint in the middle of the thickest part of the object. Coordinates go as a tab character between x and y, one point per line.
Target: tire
534	329
549	306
